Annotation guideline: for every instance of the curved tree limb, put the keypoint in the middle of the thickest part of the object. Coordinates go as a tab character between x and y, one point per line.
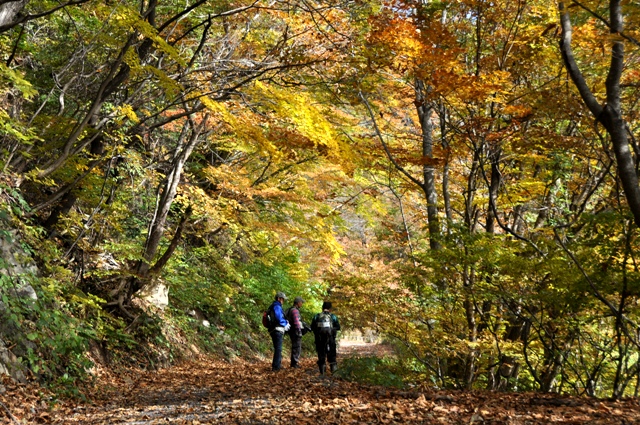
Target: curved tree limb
64	189
571	65
173	244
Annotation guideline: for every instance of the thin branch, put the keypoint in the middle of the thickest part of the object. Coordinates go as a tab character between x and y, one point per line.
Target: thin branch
502	225
27	18
384	144
618	314
604	21
92	110
342	204
93	213
63	190
15	46
261	178
13	418
265	177
201	2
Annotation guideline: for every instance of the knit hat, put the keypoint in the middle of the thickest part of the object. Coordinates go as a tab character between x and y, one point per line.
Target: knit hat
326	305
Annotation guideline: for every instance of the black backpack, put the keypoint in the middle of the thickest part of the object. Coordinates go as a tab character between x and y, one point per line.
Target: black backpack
324	323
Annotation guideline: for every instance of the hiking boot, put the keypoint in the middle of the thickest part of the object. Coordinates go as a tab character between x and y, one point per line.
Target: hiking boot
322	369
333	367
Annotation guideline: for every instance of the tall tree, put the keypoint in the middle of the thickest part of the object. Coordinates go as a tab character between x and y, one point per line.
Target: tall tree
611	114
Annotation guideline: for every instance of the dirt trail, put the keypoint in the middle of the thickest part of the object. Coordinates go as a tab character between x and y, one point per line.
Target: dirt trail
205	391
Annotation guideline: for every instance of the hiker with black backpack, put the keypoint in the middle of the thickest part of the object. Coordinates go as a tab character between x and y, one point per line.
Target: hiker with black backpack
325	326
279	326
295	333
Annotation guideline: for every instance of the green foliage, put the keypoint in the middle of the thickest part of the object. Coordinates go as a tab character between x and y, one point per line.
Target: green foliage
201	279
371	370
263	281
52	342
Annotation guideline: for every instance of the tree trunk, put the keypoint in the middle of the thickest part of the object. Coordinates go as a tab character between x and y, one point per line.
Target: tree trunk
611	114
494	185
425	111
472	327
9	12
470	209
442	112
159	221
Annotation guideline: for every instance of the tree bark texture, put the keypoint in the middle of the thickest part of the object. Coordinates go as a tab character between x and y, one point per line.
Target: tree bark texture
9	12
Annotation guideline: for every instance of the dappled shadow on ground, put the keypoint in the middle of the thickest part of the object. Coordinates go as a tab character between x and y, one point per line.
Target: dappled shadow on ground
363	349
241	392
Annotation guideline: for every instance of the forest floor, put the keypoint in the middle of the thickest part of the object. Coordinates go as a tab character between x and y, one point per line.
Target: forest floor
205	391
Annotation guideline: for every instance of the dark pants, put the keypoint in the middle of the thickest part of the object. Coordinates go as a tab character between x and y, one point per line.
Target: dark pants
326	349
296	348
276	337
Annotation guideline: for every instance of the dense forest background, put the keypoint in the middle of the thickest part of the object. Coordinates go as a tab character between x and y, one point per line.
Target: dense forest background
459	176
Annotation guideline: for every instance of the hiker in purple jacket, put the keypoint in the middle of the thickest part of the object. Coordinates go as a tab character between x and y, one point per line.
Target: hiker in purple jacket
295	333
277	334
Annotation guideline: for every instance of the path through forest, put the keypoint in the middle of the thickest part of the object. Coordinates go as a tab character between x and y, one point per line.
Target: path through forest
205	391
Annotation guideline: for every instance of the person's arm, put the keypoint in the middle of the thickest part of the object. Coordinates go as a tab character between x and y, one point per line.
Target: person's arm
314	323
336	323
296	322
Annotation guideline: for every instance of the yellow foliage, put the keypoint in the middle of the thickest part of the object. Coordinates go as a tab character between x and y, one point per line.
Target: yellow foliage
10	78
171	87
130	18
304	114
127	111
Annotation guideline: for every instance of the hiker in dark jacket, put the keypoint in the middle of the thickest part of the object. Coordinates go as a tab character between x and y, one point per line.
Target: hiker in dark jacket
325	327
295	333
277	333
